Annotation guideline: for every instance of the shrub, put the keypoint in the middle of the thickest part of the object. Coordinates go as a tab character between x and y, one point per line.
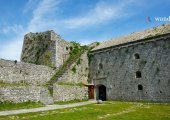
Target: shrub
74	69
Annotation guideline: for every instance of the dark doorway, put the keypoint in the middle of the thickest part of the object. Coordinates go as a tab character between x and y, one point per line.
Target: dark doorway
102	93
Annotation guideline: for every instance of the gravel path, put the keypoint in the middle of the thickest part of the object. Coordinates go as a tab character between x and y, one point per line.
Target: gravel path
46	108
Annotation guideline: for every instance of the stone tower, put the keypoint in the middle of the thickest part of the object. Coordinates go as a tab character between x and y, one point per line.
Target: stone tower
45	48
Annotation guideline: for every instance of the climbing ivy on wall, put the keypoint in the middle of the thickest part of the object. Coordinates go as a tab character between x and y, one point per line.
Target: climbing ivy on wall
74	69
78	61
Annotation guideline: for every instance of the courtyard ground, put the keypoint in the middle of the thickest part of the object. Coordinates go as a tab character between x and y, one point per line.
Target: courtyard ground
110	110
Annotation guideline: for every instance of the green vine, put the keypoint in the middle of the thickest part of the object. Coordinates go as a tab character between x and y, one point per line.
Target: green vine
74	69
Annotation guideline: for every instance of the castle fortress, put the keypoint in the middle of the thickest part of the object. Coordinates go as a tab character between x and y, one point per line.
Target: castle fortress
132	67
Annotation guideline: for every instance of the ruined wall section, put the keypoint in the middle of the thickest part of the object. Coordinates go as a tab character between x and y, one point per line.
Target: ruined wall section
62	49
19	72
45	48
38	48
130	77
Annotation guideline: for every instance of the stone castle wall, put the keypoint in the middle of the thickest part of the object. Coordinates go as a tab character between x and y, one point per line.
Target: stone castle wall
20	72
68	93
62	48
136	71
44	48
18	94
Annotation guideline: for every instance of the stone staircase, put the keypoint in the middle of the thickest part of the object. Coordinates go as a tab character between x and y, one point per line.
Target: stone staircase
62	70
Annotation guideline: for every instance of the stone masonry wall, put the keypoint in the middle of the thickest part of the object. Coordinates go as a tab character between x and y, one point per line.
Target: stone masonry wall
20	72
123	74
68	93
18	94
78	72
62	48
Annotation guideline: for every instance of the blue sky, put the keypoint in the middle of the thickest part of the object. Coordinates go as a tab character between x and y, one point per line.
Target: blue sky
84	21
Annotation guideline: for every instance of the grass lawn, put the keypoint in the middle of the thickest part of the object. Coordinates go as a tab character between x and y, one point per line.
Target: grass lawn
14	106
109	110
69	102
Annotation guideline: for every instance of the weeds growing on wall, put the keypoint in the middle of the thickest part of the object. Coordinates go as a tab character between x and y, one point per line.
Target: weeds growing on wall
74	69
71	84
89	49
75	54
78	61
21	83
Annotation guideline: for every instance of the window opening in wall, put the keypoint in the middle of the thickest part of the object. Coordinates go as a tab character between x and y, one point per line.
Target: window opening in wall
100	66
159	81
140	87
138	74
137	56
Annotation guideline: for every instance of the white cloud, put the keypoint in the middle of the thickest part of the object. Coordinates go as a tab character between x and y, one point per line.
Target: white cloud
11	50
103	12
12	29
45	10
30	5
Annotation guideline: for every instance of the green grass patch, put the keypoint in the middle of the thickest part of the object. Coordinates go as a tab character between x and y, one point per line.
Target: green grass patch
69	102
13	106
3	84
110	110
